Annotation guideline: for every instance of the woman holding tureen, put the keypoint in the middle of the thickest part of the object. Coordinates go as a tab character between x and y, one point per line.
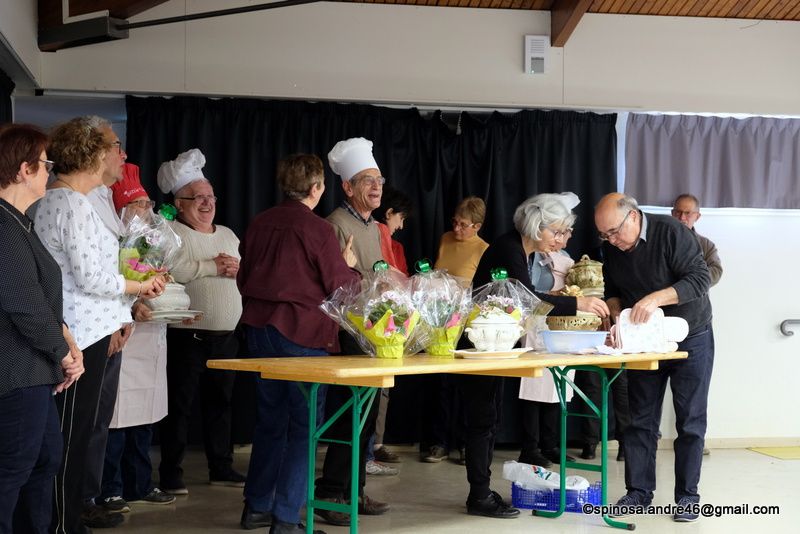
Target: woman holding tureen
541	224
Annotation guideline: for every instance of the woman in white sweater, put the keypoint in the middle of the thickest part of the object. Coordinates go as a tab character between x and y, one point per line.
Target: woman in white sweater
88	255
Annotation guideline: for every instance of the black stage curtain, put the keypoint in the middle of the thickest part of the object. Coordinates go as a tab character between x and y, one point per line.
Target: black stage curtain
503	158
6	88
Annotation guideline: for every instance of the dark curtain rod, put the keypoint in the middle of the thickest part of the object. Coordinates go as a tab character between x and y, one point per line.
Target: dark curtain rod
212	14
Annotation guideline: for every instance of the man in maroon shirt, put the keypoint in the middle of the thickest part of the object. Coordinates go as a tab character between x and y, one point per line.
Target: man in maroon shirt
291	261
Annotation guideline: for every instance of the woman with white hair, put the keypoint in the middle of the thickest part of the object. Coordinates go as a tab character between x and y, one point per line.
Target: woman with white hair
541	224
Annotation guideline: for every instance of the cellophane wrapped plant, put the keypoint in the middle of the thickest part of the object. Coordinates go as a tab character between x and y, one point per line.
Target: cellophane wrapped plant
379	313
443	302
147	246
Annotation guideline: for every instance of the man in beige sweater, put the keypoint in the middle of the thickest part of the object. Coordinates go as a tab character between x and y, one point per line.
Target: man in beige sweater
362	182
207	265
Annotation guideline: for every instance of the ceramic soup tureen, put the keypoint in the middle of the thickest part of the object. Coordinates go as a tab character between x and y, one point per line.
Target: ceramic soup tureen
494	332
173	298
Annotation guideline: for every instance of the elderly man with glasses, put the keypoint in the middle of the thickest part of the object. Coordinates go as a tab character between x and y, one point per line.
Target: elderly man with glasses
355	227
207	264
653	261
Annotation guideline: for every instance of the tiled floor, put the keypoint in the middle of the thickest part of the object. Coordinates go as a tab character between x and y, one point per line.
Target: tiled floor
429	498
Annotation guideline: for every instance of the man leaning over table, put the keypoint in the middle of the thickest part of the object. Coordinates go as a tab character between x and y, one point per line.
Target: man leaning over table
653	261
354	225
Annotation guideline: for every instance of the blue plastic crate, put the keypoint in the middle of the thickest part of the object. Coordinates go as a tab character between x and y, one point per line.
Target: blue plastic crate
548	500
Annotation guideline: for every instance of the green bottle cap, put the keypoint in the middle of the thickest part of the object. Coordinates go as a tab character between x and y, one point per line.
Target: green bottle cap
499	273
168	211
423	265
380	265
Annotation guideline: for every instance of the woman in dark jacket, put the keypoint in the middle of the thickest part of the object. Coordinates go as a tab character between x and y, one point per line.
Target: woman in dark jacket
38	356
540	223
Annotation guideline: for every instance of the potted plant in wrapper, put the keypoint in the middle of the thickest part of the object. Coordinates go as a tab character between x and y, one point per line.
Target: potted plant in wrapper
499	312
147	248
379	313
443	302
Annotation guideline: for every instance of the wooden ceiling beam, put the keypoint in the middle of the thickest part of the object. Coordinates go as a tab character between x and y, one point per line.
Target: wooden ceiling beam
564	18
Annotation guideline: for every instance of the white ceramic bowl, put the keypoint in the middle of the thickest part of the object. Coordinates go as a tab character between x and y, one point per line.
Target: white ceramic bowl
173	298
570	341
494	336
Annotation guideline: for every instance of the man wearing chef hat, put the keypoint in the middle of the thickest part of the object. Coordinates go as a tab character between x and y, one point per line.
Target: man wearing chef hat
354	225
206	264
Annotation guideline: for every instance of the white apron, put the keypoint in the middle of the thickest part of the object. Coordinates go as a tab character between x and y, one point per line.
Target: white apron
543	388
142	393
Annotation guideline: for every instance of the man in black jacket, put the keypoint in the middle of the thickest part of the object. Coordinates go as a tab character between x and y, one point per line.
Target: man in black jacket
653	261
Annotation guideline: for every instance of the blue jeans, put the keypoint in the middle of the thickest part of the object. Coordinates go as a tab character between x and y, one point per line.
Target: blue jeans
127	470
278	474
30	455
689	380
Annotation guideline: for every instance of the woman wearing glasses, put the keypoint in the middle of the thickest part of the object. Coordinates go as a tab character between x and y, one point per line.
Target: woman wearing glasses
94	308
461	249
541	223
38	355
142	390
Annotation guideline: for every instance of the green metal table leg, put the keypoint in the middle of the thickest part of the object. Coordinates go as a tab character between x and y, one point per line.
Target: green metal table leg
359	405
561	378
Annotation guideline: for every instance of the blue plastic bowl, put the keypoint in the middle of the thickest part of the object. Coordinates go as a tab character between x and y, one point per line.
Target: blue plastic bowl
570	341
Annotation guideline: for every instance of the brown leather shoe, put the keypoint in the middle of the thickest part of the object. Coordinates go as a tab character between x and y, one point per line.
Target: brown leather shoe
382	454
367	506
339	519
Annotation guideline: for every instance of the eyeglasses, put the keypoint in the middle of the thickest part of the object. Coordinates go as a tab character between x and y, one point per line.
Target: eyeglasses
211	199
118	145
143	203
605	236
371	181
560	234
462	225
48	165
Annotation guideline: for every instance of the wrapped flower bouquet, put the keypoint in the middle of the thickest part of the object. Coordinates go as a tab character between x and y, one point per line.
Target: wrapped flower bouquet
443	303
379	313
147	246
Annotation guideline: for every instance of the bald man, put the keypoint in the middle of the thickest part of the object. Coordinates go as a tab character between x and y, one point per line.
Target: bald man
653	261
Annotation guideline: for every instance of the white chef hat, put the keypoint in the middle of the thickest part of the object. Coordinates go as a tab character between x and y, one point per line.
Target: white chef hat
569	199
183	170
351	156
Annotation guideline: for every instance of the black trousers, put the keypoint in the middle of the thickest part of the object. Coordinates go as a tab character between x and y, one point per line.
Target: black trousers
187	353
589	383
540	426
31	449
77	409
443	415
93	481
483	403
335	480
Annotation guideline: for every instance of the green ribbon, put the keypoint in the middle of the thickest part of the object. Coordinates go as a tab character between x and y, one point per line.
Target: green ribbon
499	273
168	211
380	265
423	265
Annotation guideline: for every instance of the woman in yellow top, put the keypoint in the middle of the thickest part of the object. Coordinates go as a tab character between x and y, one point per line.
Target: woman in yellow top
461	249
443	424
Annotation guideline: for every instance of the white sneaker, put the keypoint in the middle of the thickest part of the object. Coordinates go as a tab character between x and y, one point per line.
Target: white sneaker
378	469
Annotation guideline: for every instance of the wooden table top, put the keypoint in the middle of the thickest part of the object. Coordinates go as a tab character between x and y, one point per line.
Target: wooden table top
361	370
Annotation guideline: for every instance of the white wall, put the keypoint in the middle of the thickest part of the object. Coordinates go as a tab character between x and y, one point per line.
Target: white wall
409	54
753	398
19	30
